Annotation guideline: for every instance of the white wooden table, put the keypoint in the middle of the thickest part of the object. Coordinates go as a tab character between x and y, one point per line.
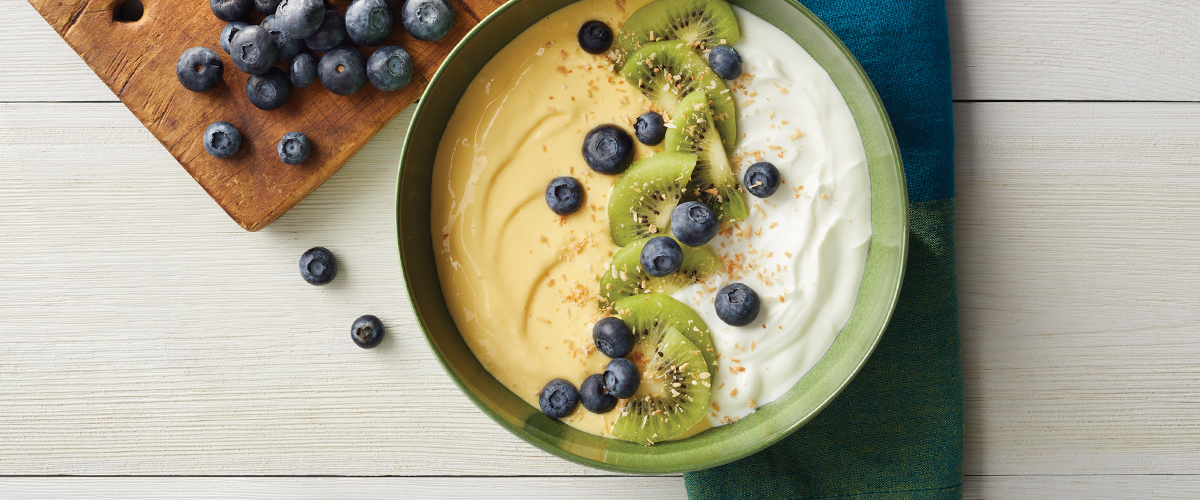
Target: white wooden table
142	333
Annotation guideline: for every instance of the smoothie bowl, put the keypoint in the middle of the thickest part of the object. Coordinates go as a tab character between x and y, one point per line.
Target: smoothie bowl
651	235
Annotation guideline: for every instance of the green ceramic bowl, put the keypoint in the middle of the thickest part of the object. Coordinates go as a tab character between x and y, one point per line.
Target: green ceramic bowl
772	422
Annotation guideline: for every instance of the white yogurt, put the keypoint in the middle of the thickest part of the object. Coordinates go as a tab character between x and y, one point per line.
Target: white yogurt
804	249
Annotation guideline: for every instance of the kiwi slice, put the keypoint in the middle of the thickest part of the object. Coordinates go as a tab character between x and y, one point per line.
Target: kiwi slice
667	72
649	316
625	277
641	203
673	395
701	24
713	180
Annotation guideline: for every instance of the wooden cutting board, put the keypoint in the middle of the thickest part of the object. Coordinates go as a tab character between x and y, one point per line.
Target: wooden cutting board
136	59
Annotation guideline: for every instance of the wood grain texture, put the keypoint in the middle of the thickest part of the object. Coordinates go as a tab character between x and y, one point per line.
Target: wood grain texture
137	62
323	488
1079	286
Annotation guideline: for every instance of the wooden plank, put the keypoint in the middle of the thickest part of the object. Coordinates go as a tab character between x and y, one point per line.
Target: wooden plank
1001	49
1075	50
137	61
1079	275
1092	487
321	488
144	334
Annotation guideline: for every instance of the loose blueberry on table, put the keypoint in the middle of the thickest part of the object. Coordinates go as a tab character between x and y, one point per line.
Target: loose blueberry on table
389	68
737	304
621	378
661	256
725	62
593	397
761	179
199	69
367	331
269	90
595	37
612	337
343	70
222	140
650	129
607	149
428	20
558	399
564	195
231	10
693	223
294	148
369	22
303	70
253	50
317	266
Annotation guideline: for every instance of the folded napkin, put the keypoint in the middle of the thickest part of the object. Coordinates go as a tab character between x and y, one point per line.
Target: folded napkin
897	429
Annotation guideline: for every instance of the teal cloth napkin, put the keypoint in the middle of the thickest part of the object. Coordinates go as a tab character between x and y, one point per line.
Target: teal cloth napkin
897	429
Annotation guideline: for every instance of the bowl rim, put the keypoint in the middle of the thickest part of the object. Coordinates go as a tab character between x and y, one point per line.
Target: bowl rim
893	293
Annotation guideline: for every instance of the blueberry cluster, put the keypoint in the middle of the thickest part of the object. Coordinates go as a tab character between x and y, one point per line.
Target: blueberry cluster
599	392
298	42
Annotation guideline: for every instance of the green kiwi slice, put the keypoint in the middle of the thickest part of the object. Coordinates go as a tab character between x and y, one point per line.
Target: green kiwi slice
713	180
649	316
673	396
667	72
641	203
701	24
624	276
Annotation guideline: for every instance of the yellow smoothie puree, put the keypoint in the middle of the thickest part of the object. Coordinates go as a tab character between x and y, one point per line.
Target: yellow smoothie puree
520	281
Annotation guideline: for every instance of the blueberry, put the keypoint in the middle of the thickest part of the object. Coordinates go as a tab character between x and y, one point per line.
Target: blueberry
661	256
564	195
231	10
266	7
294	148
650	129
222	140
367	331
303	70
559	398
428	20
369	22
593	397
299	18
269	90
608	149
330	34
317	266
199	69
761	179
389	68
342	70
612	337
595	37
693	223
621	378
253	50
288	47
725	62
737	304
227	33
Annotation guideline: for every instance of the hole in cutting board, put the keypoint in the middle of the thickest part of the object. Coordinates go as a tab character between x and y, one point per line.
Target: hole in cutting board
129	11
